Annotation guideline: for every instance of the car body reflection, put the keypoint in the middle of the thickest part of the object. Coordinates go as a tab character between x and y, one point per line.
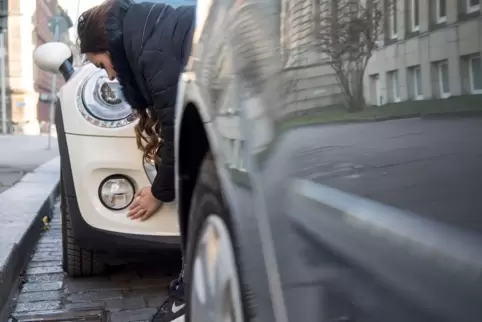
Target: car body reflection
352	196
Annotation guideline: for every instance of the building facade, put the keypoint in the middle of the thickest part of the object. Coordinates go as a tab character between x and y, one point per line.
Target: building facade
430	49
19	62
4	112
26	86
43	34
316	85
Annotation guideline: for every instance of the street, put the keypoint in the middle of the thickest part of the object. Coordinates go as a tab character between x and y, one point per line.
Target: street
22	154
127	294
428	167
261	161
333	251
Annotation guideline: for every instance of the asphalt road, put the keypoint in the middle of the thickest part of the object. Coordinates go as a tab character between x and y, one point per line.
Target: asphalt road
328	268
126	294
430	167
20	154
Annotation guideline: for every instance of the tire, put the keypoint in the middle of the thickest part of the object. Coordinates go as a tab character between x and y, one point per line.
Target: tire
76	260
208	200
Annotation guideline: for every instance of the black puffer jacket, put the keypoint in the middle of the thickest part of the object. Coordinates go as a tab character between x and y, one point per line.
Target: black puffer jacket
149	44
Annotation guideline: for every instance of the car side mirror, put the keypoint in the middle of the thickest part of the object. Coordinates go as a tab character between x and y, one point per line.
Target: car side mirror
54	57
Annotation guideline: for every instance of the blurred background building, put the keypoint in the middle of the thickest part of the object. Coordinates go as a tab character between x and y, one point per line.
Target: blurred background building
26	25
313	81
44	32
427	50
431	50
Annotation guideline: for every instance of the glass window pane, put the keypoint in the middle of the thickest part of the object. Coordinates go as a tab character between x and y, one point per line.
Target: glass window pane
393	18
477	73
444	74
395	21
394	76
416	12
441	8
418	81
474	2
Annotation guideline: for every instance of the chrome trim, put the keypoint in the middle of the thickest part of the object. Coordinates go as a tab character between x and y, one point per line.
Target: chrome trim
435	264
89	117
150	170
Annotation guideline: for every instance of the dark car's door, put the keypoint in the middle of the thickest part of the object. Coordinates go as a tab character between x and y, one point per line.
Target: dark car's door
370	181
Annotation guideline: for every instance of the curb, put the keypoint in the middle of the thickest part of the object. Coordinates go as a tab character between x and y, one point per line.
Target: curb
455	114
422	116
22	208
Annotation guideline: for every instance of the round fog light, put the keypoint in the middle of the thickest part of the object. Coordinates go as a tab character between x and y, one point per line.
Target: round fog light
116	192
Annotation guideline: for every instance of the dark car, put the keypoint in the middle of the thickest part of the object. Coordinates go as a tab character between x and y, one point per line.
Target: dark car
329	161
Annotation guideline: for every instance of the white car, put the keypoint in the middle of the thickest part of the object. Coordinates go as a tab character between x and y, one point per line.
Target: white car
101	169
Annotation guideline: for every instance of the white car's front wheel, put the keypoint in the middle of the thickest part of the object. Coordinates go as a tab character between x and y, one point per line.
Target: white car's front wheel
77	261
214	290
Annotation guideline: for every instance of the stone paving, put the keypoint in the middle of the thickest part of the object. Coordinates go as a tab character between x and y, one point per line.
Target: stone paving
22	154
127	294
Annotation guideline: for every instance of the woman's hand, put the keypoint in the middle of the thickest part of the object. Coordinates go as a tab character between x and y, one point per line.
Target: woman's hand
144	206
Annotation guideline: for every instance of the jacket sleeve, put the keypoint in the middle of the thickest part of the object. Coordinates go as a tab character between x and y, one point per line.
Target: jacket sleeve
161	72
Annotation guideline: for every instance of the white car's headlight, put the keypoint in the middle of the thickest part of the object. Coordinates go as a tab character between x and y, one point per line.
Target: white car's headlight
102	103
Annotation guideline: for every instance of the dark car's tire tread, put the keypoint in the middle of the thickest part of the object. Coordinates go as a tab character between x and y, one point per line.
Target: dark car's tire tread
76	261
208	199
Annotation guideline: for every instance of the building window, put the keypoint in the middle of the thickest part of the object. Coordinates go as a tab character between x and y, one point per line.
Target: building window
443	75
415	12
441	8
475	68
375	90
416	80
393	79
241	161
392	19
473	6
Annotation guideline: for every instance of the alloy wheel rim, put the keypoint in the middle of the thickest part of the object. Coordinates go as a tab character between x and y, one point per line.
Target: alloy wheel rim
215	292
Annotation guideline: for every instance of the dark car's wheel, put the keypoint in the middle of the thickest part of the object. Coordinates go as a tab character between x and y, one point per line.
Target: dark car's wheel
214	287
76	261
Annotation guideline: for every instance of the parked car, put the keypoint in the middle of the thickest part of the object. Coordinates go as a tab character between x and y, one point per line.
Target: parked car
287	219
101	168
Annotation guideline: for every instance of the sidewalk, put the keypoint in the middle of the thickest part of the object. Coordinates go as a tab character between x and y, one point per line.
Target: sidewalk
29	180
20	154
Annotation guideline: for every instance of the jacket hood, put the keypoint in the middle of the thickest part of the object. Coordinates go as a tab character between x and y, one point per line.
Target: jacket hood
115	35
135	28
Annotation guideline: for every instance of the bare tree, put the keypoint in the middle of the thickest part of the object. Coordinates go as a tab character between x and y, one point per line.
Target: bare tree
347	32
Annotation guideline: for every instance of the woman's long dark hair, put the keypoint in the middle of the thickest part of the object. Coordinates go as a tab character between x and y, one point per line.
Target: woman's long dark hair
148	135
92	38
91	31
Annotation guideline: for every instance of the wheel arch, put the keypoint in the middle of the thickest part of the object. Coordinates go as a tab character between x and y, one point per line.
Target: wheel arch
193	146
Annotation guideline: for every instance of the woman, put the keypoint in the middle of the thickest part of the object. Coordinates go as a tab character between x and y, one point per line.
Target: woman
145	46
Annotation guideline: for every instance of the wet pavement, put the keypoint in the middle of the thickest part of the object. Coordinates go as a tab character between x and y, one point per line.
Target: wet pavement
128	293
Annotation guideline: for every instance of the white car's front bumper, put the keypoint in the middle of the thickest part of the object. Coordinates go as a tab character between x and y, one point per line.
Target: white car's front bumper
94	158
